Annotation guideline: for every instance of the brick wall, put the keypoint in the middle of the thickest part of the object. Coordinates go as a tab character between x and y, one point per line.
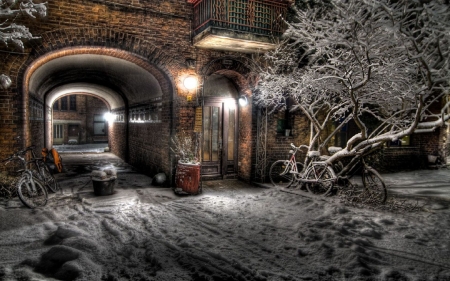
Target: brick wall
117	144
94	106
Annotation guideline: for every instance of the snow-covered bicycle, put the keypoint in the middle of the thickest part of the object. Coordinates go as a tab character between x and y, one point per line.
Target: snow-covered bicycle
31	190
318	177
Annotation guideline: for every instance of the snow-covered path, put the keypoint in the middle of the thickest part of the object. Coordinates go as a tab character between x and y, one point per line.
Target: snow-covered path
251	233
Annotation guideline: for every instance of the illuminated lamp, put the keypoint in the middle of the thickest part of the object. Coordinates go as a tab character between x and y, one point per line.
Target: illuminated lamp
243	101
190	82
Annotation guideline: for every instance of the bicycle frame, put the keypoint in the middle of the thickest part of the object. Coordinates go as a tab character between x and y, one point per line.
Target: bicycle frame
319	176
27	174
24	172
312	164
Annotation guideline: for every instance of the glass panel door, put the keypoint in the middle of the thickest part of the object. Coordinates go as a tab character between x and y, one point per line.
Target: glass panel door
231	134
219	147
212	136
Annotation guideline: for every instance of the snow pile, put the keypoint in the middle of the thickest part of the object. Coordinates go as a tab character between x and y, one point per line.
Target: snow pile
223	234
104	175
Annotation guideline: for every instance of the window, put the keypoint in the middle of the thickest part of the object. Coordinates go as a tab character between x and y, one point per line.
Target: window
64	103
73	102
285	121
99	125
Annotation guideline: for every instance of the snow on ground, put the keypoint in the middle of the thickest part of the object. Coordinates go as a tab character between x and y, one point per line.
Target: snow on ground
229	232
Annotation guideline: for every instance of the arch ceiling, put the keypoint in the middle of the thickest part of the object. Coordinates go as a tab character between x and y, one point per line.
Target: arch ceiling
113	79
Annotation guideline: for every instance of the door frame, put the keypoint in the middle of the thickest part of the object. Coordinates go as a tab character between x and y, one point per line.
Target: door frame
224	163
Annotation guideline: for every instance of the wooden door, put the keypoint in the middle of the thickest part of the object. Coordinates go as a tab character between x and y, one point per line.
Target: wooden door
219	146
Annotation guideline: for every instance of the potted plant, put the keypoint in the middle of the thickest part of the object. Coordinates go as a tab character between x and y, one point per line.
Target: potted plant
187	177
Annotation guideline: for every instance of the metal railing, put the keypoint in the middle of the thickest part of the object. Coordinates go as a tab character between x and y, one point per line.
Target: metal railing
262	17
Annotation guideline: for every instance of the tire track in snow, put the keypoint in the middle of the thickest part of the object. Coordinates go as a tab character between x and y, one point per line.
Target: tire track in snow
237	244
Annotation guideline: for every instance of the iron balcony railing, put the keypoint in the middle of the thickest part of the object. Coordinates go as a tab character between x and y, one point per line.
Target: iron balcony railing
262	17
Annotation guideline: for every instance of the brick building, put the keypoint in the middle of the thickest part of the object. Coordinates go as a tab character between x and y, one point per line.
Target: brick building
79	119
134	56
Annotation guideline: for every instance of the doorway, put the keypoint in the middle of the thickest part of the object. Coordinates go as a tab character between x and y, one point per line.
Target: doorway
219	144
58	134
73	133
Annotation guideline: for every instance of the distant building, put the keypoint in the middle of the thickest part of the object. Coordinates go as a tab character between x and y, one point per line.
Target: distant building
79	119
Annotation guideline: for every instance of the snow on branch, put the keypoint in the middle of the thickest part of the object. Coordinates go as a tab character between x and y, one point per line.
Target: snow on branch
378	64
13	33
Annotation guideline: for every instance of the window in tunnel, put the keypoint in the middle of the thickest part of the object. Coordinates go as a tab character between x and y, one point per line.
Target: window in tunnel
146	114
64	103
73	102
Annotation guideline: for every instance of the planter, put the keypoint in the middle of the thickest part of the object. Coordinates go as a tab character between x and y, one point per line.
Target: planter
103	186
187	178
432	159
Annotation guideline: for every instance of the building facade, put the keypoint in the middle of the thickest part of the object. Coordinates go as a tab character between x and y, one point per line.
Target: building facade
135	57
79	119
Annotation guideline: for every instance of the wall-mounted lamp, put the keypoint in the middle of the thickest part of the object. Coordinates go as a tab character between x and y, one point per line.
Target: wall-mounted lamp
190	82
243	101
109	117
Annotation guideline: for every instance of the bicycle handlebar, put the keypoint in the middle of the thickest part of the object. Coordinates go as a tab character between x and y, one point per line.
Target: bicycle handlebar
12	157
19	153
300	147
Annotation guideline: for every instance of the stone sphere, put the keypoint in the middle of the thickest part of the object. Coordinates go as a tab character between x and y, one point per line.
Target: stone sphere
159	179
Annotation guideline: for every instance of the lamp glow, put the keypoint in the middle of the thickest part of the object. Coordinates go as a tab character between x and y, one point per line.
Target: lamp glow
243	101
109	117
190	82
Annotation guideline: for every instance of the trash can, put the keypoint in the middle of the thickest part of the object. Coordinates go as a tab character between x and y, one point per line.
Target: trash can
103	186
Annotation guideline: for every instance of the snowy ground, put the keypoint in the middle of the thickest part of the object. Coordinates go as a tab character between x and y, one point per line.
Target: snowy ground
81	148
230	232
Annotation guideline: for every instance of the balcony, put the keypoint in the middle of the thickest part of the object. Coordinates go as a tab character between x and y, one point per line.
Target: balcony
246	26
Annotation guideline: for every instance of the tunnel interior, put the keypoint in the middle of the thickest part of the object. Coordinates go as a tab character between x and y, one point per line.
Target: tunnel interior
121	84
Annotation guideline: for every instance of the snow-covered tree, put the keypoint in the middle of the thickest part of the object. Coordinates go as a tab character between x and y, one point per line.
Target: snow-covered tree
16	34
353	59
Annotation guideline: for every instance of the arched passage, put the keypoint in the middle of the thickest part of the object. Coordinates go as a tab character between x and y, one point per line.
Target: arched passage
117	81
126	82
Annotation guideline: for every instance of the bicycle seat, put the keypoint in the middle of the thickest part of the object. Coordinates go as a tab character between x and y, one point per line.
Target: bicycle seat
313	153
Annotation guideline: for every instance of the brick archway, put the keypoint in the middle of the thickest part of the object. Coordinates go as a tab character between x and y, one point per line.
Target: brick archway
240	70
72	41
164	67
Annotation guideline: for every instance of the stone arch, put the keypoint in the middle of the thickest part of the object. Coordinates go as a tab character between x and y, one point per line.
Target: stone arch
240	70
103	41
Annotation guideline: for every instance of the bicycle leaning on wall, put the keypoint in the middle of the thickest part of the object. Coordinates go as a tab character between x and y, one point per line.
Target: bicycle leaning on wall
319	178
41	171
31	190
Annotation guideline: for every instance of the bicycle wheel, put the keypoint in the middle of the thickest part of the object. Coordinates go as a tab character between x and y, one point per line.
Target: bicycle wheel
32	197
48	178
280	174
324	179
374	186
